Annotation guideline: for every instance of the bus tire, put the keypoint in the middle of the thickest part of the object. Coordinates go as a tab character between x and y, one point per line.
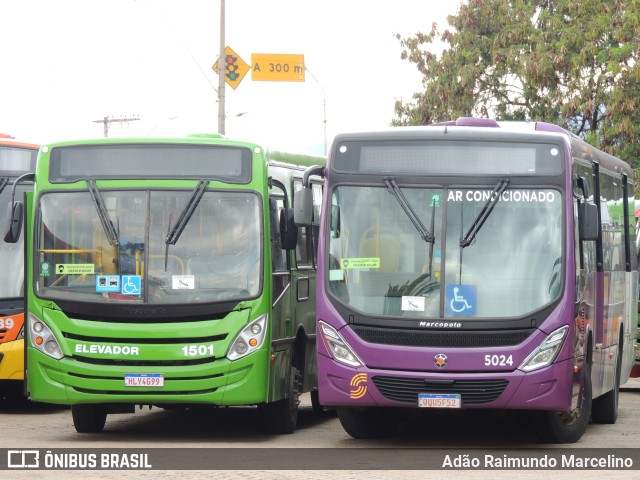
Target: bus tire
605	408
566	427
89	418
281	416
366	423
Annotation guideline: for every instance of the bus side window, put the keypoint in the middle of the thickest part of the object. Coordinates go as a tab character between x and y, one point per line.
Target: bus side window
278	254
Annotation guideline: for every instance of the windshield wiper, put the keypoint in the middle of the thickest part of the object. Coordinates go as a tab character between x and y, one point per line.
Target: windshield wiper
187	211
174	234
470	236
393	188
3	183
103	214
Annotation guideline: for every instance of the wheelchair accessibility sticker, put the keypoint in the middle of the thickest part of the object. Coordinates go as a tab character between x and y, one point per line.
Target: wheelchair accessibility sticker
131	285
460	300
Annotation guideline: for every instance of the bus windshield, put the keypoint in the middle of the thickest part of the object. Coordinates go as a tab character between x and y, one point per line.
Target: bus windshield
380	266
11	255
216	258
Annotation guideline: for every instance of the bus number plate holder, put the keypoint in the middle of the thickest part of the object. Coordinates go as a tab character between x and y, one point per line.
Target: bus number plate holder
144	380
439	400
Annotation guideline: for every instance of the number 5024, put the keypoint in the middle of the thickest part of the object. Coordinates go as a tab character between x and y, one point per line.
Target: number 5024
498	360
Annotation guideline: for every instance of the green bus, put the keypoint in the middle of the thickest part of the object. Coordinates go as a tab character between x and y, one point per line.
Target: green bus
168	272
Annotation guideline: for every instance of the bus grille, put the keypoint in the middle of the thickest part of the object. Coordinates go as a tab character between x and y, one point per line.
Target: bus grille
471	391
458	339
143	363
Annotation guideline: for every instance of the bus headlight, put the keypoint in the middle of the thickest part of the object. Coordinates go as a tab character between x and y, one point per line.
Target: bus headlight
249	339
43	339
338	347
546	352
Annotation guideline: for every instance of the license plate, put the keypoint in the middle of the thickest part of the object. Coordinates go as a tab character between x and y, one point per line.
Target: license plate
144	380
437	400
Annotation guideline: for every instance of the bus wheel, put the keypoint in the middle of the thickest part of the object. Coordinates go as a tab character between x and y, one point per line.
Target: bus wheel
566	427
282	416
370	422
89	418
605	408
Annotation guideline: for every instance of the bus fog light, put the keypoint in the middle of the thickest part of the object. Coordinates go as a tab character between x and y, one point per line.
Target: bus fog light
249	339
52	348
43	339
546	352
241	347
338	347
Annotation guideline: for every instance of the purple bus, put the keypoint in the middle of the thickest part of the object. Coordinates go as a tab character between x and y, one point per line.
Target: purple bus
469	264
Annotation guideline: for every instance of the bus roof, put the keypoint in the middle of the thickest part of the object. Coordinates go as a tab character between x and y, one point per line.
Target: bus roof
470	128
11	142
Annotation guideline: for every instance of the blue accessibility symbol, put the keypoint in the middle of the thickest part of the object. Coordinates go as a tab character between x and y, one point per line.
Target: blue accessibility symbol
131	285
461	300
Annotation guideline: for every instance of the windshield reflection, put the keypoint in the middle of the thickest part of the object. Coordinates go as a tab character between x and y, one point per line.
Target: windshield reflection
379	265
216	258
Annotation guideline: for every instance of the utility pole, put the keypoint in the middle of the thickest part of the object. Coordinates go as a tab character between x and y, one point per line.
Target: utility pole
106	121
222	75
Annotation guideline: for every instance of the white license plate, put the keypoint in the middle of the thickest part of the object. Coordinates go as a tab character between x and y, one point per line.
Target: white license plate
144	380
438	400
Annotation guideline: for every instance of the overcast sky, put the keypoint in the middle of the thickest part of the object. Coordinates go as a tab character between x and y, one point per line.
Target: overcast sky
67	63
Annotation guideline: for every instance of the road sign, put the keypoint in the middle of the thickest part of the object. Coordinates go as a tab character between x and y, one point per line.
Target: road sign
277	67
235	68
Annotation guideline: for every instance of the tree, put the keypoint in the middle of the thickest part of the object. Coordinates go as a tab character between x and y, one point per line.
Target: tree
574	63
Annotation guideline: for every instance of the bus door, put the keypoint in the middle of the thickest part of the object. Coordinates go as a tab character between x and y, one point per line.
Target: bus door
281	315
588	284
303	283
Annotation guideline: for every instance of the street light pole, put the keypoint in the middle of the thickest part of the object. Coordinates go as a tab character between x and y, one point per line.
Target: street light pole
222	76
324	107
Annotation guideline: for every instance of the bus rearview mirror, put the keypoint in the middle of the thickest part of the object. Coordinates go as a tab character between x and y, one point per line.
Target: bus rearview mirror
302	207
15	216
588	221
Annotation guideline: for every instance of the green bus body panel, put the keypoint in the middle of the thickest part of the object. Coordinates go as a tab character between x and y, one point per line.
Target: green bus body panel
93	367
231	383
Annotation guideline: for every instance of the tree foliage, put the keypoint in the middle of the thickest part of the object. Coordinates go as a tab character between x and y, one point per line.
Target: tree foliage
574	63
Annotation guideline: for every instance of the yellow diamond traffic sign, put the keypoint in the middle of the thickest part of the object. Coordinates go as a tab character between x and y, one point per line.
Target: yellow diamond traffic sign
235	68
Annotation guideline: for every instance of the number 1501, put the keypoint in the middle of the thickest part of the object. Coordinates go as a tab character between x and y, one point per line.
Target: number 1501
197	350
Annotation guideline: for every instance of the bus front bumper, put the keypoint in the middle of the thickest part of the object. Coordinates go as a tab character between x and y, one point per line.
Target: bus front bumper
549	388
222	382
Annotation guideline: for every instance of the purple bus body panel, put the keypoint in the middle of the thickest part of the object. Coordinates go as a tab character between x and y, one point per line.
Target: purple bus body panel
541	389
